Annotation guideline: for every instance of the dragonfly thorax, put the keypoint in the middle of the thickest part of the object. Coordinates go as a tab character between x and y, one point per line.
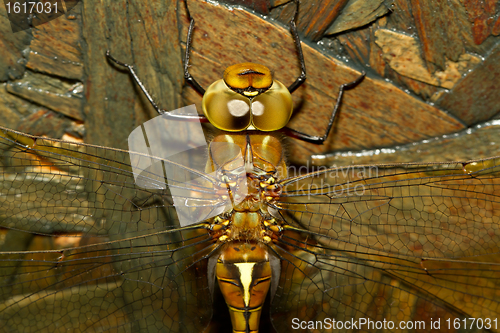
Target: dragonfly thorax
247	167
239	154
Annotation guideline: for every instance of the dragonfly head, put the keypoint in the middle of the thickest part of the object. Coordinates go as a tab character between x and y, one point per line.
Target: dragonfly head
247	98
248	79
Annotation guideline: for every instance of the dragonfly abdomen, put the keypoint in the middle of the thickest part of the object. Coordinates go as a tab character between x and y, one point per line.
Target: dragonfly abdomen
244	275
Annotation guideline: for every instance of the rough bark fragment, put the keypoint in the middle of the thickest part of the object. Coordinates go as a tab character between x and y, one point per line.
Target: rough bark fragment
379	64
12	64
45	122
424	90
424	21
481	14
475	98
358	13
260	6
403	55
495	30
13	107
9	115
66	69
401	18
356	46
62	103
451	30
465	36
144	34
315	18
439	31
279	2
55	49
50	91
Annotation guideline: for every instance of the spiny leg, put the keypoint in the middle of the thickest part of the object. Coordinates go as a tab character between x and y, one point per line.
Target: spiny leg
137	81
293	29
320	139
187	76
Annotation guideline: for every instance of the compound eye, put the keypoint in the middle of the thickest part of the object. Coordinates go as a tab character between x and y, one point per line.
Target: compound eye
272	109
226	109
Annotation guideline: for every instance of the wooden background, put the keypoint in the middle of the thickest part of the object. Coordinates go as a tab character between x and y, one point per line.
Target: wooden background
430	92
432	66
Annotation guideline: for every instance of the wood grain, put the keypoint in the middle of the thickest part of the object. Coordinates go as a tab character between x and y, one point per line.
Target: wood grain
389	108
481	14
11	47
78	92
56	49
475	98
140	33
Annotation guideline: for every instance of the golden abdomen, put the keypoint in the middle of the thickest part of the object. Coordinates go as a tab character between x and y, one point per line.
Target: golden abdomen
244	275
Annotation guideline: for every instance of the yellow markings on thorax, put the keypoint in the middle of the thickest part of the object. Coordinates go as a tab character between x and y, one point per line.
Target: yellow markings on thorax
246	270
228	138
268	141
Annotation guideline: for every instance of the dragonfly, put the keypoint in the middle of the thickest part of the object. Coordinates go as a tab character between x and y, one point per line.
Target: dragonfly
146	240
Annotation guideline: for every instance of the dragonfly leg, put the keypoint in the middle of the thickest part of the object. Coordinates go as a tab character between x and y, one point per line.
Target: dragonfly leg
293	29
187	76
187	117
320	139
137	81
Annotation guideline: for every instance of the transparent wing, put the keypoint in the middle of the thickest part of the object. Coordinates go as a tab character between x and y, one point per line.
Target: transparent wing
177	152
396	243
83	248
86	249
